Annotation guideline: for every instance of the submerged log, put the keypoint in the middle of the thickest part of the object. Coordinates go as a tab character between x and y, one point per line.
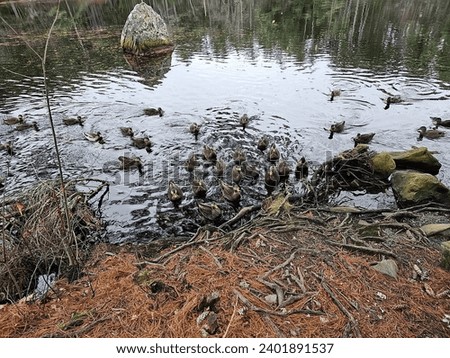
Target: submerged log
145	33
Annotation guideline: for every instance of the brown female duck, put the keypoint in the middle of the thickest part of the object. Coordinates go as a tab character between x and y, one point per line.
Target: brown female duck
263	143
429	133
8	147
301	169
363	138
211	211
239	156
194	129
13	120
243	121
439	122
236	174
142	143
199	188
191	163
174	193
284	170
337	127
154	111
127	131
94	137
274	154
231	193
209	153
130	162
220	168
271	179
24	126
72	121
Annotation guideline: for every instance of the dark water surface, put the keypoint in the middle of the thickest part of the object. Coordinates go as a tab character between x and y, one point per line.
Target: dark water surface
275	60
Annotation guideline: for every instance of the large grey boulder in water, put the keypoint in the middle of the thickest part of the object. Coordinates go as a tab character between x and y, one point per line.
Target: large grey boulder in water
145	33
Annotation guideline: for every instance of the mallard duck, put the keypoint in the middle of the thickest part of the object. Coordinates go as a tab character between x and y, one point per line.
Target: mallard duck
239	156
209	153
271	179
210	211
236	174
263	143
14	120
220	168
244	120
335	93
130	162
8	146
174	193
94	137
429	133
127	131
154	111
337	127
284	170
194	129
439	122
24	126
274	154
250	171
231	193
142	143
301	168
73	121
191	162
199	188
363	138
392	99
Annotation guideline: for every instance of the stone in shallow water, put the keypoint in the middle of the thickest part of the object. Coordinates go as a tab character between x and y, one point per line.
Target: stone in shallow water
419	159
144	31
414	188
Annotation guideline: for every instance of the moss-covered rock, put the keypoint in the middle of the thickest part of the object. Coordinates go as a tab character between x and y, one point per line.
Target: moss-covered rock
414	188
417	159
145	32
383	164
445	261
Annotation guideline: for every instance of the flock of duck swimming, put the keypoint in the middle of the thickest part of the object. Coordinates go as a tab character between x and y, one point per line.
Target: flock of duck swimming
277	172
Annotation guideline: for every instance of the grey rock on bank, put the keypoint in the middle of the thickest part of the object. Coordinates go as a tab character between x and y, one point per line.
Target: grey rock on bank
145	32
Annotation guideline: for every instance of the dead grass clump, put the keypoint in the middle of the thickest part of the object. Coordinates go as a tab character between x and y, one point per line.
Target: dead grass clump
39	239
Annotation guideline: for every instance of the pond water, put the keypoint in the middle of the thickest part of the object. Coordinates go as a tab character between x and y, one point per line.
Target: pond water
274	60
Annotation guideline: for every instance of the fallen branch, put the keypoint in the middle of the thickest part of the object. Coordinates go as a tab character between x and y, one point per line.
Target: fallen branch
363	249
